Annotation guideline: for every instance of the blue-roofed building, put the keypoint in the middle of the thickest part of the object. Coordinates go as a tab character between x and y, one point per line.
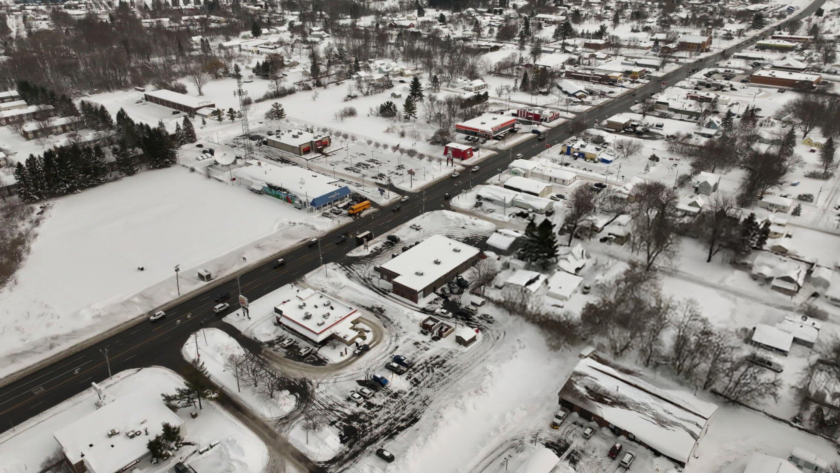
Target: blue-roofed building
300	187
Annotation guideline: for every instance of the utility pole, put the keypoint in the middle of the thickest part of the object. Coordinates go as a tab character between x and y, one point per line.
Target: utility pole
107	360
197	355
177	279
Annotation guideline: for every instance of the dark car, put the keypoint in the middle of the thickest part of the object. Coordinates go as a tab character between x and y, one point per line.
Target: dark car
393	238
395	368
397	208
312	242
279	263
615	450
385	455
222	297
341	239
402	361
181	468
541	138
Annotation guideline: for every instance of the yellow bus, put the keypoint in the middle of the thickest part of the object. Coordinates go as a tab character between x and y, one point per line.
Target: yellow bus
359	208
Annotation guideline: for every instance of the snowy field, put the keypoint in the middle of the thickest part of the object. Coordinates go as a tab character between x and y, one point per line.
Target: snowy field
26	447
81	276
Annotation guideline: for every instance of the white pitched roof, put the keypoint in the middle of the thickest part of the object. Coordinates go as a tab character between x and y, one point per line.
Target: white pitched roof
772	337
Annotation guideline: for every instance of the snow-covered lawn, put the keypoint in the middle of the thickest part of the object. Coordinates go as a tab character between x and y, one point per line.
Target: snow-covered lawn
215	348
319	445
82	278
27	446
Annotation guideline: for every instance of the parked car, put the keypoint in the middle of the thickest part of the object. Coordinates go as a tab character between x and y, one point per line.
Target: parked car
366	393
474	169
355	397
586	288
181	468
519	156
222	297
402	361
395	368
385	455
588	433
381	380
806	197
454	175
393	238
220	307
443	313
415	227
286	343
360	349
279	263
541	138
157	316
628	459
615	450
312	242
559	418
404	199
304	351
487	318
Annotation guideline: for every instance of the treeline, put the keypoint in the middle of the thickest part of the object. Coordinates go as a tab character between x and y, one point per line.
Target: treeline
73	168
35	94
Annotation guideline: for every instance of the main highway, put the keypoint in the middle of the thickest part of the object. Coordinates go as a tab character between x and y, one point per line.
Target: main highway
144	344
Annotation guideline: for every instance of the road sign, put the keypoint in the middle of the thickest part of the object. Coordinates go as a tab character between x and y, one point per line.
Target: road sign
381	191
243	301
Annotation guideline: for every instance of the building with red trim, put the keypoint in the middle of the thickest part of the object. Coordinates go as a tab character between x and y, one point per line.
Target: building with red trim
488	126
298	142
317	317
458	151
538	114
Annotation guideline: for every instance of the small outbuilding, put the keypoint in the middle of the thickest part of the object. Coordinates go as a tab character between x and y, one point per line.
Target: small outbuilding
771	338
466	336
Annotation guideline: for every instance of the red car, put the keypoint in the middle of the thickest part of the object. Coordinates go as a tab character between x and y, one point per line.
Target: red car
615	450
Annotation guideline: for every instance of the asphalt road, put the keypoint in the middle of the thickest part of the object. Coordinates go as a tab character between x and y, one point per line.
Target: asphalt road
159	344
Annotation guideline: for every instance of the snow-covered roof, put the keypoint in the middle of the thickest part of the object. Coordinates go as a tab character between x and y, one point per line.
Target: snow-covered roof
804	319
180	99
429	261
543	461
690	38
789	75
760	463
772	337
790	63
296	137
777	200
487	123
24	111
313	314
523	184
9	94
572	259
670	422
466	333
87	439
52	122
800	331
13	104
561	285
297	180
530	280
502	239
523	164
810	457
559	174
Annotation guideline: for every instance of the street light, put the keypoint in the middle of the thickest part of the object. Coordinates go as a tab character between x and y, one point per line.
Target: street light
107	360
177	279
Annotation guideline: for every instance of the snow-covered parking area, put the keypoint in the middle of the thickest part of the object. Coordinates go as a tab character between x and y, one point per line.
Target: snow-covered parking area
82	274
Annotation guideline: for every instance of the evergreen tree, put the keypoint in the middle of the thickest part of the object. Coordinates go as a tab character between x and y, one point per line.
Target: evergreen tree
237	72
416	90
356	67
421	12
276	112
388	109
763	235
435	83
525	84
602	32
157	148
526	27
219	114
788	144
757	21
728	124
104	119
231	113
24	185
189	131
256	31
442	19
547	243
409	108
126	164
797	211
528	251
51	181
179	135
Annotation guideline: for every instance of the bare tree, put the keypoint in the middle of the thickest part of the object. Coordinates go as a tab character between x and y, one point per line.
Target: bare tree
764	171
720	350
198	76
581	205
747	383
654	226
627	148
807	109
717	224
689	341
484	272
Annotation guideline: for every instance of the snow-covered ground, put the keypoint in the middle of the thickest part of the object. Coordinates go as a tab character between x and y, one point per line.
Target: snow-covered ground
26	447
81	277
215	349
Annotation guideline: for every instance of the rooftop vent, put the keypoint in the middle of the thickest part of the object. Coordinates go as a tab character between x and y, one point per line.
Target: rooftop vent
418	273
456	250
437	261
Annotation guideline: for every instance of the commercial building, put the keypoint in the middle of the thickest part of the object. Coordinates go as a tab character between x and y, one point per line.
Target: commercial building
509	198
176	101
427	267
113	438
775	45
694	43
295	185
779	78
792	37
528	186
299	142
668	422
487	126
538	114
317	317
458	151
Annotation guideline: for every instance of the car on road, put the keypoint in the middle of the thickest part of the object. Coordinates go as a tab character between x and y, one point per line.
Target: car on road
454	175
402	361
279	263
157	316
395	368
286	343
385	455
366	393
559	418
519	156
312	242
379	379
355	397
588	433
615	450
341	239
222	297
397	208
541	138
628	459
404	199
304	351
221	307
360	349
474	169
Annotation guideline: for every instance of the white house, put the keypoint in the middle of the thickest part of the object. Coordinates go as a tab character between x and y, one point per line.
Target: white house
775	203
771	338
561	285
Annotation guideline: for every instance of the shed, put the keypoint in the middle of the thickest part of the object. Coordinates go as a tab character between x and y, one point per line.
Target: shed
466	336
803	333
771	338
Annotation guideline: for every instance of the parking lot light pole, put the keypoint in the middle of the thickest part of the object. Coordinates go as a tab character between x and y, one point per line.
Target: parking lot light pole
177	280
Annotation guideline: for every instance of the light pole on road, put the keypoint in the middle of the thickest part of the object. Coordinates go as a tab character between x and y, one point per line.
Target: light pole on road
107	360
177	281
